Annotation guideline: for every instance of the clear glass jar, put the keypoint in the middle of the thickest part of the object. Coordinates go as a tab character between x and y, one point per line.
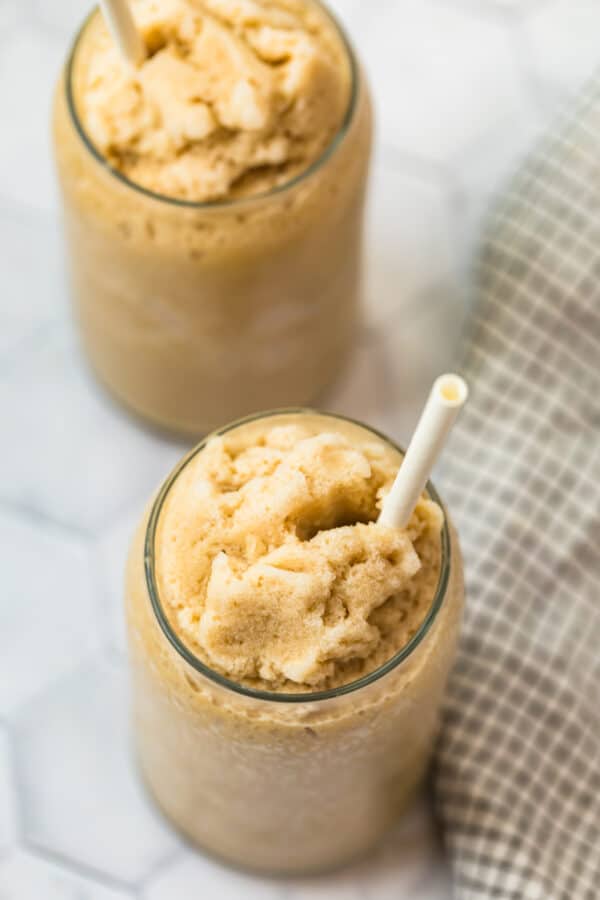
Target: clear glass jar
197	313
284	782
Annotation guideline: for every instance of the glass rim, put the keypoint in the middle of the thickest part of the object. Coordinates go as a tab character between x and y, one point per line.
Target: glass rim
278	696
314	167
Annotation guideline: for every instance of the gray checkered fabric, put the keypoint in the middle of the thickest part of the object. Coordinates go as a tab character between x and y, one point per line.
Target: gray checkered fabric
517	780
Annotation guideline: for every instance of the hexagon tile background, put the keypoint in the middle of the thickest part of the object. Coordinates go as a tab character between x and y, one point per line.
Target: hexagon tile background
462	89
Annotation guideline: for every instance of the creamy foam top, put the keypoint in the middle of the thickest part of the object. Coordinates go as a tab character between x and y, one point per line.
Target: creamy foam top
271	566
235	98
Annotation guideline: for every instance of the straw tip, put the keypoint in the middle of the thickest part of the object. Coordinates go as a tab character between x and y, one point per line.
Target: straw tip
451	390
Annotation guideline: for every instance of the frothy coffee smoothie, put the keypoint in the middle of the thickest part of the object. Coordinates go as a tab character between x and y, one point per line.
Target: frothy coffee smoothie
213	201
273	569
268	726
234	99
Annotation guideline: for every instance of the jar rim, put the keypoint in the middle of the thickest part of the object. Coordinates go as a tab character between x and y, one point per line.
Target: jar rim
314	167
277	696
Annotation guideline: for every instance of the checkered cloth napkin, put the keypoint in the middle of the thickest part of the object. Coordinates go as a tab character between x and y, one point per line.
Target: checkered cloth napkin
517	780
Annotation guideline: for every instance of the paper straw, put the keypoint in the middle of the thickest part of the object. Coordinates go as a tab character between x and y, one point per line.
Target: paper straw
124	30
448	396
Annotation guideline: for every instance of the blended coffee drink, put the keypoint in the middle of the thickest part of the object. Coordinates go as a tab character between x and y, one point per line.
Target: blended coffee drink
289	653
213	205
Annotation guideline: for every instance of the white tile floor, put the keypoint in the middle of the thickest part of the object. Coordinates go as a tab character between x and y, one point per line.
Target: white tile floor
462	89
49	608
82	803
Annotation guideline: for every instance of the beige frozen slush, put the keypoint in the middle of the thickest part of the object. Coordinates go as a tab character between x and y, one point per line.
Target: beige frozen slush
213	201
289	653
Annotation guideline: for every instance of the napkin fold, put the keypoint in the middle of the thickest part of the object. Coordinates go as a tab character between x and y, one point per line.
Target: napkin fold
517	776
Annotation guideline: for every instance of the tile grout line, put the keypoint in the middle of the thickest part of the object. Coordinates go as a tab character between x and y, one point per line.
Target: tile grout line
161	866
39	519
95	656
90	873
411	165
14	798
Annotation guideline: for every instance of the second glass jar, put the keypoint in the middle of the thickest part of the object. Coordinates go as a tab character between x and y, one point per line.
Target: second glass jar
192	313
272	781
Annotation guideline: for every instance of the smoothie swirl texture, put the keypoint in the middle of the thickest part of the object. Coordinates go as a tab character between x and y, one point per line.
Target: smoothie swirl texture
272	568
235	98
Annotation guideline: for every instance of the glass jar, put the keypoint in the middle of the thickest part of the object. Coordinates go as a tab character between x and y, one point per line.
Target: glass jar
284	782
197	313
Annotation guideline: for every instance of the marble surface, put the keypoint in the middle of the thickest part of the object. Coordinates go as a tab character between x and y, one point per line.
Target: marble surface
462	89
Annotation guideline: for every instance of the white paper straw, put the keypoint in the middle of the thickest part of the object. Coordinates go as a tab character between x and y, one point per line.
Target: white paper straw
124	30
448	396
